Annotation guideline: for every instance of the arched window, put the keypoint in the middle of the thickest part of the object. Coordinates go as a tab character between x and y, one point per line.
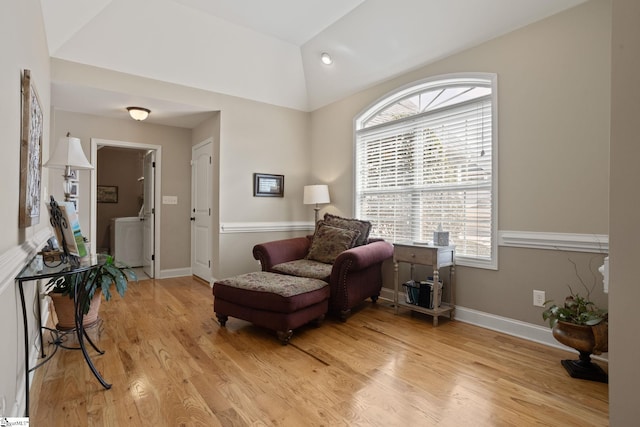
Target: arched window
426	157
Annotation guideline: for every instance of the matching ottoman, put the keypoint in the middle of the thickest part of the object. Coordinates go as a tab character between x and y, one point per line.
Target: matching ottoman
273	301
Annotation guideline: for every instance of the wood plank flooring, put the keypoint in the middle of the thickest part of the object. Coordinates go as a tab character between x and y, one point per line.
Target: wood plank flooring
171	364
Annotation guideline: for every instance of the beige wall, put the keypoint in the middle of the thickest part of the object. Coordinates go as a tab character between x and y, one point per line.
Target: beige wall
22	46
175	179
264	139
28	51
253	137
553	137
624	345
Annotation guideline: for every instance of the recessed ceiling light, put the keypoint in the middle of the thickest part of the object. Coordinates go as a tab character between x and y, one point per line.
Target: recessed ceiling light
326	58
138	113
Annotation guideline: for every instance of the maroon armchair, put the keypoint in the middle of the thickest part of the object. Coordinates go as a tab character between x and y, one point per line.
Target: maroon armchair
354	276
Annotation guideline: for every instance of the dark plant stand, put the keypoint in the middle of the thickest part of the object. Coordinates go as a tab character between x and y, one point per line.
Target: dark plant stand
36	270
585	369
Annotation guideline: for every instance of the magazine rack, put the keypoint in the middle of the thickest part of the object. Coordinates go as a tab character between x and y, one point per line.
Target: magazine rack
437	257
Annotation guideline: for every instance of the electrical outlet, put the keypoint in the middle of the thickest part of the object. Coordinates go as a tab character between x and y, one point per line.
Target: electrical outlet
538	298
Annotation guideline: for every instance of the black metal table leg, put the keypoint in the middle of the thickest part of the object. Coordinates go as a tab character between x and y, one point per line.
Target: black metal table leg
26	346
72	268
79	299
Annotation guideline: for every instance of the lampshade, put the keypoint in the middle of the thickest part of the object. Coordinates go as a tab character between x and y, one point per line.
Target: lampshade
138	113
316	194
68	152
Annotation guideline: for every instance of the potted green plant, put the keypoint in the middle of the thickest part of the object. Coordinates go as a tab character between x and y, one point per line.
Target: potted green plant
576	309
579	323
107	273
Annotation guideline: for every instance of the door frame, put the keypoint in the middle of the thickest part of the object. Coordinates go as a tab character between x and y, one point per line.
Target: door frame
95	142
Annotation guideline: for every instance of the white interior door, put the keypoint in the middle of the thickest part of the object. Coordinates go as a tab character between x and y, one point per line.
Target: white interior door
201	173
148	213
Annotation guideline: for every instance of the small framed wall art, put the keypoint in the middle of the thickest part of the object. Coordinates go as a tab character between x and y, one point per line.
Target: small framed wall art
73	188
107	194
267	185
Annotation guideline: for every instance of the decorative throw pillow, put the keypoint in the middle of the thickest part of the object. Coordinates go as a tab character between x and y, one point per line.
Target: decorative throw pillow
329	242
364	227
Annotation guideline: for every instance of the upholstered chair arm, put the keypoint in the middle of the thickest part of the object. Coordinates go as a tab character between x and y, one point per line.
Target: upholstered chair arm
356	275
279	251
360	258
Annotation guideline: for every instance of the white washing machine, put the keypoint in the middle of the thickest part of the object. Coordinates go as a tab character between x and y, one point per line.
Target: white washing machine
126	240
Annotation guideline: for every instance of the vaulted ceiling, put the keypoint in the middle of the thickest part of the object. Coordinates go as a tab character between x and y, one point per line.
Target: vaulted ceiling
269	50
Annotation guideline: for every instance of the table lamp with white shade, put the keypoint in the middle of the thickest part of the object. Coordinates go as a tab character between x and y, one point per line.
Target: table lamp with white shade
316	194
68	155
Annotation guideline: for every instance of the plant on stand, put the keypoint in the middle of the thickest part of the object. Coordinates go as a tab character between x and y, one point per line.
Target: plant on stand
106	274
581	324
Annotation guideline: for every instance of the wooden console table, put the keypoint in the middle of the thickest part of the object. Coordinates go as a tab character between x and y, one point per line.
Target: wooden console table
436	256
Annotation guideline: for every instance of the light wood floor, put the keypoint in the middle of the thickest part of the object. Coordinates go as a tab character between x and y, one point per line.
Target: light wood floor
171	364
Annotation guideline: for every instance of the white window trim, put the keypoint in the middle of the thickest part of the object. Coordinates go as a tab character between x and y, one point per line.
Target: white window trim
398	93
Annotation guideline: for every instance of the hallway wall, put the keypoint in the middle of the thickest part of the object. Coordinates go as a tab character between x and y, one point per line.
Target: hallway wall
24	46
175	179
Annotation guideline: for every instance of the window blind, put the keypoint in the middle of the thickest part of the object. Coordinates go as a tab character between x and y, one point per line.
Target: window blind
430	169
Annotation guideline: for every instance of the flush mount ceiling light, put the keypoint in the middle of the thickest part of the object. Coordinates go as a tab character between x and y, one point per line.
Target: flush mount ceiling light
326	58
138	113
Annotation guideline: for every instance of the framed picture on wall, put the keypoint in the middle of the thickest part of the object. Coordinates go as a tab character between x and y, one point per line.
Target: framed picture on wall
267	185
73	188
107	193
30	154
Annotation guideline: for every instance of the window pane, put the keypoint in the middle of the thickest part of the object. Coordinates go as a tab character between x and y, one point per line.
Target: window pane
426	160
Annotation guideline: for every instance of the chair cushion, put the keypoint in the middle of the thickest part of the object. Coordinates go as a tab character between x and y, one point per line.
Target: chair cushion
305	268
329	242
364	227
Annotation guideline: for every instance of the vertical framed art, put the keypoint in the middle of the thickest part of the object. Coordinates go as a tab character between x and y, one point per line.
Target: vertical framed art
30	154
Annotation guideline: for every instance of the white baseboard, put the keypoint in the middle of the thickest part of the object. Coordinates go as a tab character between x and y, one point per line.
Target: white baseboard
174	272
528	331
505	325
386	293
